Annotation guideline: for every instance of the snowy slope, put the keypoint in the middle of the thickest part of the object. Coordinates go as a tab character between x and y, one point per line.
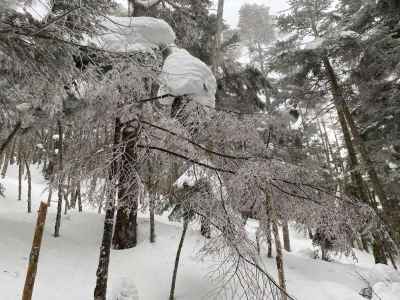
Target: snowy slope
68	264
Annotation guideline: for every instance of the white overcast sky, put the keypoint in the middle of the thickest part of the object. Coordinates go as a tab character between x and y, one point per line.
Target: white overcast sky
231	8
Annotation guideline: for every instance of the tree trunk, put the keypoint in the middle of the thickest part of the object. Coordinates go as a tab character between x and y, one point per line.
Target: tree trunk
389	212
125	228
8	156
286	238
50	191
125	234
60	180
178	254
28	175
218	38
103	192
353	161
258	232
269	238
152	223
205	227
379	252
10	137
78	192
35	251
100	291
20	174
278	246
310	234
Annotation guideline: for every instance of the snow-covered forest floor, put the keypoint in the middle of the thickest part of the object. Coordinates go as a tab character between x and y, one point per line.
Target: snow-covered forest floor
67	264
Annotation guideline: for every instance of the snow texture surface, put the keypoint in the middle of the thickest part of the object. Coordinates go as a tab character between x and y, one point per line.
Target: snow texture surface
126	34
184	74
145	271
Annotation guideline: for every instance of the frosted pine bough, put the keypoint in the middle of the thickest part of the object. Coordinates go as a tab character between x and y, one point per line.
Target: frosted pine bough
199	84
181	74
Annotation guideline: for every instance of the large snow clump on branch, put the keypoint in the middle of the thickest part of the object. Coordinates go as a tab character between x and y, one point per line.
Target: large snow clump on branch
183	74
127	34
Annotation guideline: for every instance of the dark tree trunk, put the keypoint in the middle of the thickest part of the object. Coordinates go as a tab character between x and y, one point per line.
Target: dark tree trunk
205	227
34	256
78	192
50	191
269	238
379	252
279	259
125	234
10	137
310	234
8	157
286	238
100	291
347	122
258	232
60	180
28	175
365	243
152	223
20	174
125	228
178	255
278	246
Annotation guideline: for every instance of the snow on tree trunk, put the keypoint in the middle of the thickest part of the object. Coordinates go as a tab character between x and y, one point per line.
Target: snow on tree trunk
278	246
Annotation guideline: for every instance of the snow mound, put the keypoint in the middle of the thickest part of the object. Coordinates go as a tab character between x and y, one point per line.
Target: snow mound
381	272
124	290
126	34
386	291
184	74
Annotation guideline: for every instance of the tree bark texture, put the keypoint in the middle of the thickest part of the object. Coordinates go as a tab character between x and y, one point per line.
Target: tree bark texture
278	246
286	237
178	255
152	223
60	180
28	175
34	256
100	291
